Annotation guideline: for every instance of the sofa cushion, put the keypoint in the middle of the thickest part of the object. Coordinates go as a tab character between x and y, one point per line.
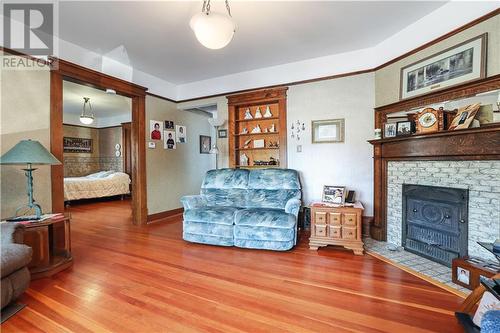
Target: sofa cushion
224	197
14	257
211	229
259	217
225	187
220	215
274	179
226	179
270	198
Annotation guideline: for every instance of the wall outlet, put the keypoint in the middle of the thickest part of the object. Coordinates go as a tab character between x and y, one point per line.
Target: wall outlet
299	148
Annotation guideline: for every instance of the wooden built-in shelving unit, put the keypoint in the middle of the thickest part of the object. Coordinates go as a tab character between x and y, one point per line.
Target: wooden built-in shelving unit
275	100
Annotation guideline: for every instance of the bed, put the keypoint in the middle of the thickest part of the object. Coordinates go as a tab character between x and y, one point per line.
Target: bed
96	185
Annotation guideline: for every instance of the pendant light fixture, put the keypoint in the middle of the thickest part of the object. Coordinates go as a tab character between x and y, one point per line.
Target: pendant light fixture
213	30
87	117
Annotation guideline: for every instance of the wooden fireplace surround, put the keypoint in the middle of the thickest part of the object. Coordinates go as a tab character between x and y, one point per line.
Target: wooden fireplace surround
469	144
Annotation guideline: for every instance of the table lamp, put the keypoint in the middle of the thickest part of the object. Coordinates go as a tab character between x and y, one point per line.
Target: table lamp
29	152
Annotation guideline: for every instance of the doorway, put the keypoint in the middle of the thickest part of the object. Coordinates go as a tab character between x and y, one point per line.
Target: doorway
63	71
96	146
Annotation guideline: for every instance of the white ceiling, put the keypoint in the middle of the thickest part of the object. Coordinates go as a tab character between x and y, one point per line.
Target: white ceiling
158	40
103	105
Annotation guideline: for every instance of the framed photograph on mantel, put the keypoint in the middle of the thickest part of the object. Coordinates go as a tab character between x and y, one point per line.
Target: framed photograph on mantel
459	64
328	131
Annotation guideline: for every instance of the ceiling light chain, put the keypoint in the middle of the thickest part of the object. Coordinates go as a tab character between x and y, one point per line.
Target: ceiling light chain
206	7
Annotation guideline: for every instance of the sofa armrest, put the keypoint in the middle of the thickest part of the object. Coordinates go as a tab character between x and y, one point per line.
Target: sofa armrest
193	201
292	206
11	233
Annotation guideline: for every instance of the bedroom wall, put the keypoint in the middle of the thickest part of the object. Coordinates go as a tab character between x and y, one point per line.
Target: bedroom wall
108	138
24	114
103	151
387	79
81	164
171	174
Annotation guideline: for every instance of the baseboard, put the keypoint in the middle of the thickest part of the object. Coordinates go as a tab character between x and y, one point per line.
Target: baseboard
164	215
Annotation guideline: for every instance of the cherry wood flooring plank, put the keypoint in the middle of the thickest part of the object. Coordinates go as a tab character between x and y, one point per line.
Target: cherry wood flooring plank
147	279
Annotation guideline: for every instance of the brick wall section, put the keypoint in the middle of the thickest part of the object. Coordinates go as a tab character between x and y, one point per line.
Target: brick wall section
482	178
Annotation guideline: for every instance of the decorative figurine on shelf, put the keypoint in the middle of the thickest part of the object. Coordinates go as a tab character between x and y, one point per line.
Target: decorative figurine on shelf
268	113
257	129
257	113
273	161
244	131
247	143
248	114
243	160
272	129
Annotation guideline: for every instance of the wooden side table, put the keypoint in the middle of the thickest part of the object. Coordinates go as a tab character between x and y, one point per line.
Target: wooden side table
51	244
336	226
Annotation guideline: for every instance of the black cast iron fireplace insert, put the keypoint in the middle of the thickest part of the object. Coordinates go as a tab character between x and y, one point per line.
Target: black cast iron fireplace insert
435	222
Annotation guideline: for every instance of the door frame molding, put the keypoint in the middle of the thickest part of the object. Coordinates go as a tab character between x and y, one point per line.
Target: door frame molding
64	70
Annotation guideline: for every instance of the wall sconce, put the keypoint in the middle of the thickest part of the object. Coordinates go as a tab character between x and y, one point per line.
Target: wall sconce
297	128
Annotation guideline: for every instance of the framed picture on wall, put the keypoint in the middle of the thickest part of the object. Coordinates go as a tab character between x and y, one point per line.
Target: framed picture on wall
169	140
328	131
155	130
205	144
77	145
222	133
459	64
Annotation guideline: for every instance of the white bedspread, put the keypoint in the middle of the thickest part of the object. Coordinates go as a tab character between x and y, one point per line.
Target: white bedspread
98	185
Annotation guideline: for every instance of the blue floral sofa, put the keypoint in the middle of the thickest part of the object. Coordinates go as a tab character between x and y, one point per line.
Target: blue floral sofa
255	209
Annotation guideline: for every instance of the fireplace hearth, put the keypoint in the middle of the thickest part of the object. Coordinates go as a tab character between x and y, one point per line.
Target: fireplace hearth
435	222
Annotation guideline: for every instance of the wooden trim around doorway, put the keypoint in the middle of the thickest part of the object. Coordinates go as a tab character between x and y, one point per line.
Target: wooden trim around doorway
64	70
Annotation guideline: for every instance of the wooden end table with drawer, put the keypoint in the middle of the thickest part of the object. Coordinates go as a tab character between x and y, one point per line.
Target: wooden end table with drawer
336	226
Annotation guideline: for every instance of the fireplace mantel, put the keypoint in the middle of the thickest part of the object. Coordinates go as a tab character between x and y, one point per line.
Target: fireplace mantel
469	144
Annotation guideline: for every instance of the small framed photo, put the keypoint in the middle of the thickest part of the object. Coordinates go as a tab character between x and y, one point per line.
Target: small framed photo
328	131
222	133
389	130
334	194
404	128
205	144
169	124
463	275
464	117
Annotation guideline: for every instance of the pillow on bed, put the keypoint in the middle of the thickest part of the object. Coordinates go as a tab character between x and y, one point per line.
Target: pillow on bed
101	174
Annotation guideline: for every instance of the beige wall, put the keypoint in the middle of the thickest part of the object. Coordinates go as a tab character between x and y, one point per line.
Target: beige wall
387	79
103	151
108	138
25	114
222	112
347	164
84	133
173	173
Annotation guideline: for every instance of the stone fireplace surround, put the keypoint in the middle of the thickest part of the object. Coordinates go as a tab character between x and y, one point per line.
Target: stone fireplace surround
481	178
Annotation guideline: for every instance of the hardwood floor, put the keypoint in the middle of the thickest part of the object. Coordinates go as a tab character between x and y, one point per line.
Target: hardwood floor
128	279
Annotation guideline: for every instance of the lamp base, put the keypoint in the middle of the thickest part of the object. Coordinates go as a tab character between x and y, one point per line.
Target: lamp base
38	211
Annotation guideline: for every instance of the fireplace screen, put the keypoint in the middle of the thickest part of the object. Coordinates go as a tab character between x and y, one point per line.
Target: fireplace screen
435	222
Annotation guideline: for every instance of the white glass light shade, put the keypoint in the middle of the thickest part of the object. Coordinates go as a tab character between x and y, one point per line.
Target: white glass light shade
87	120
216	122
213	30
